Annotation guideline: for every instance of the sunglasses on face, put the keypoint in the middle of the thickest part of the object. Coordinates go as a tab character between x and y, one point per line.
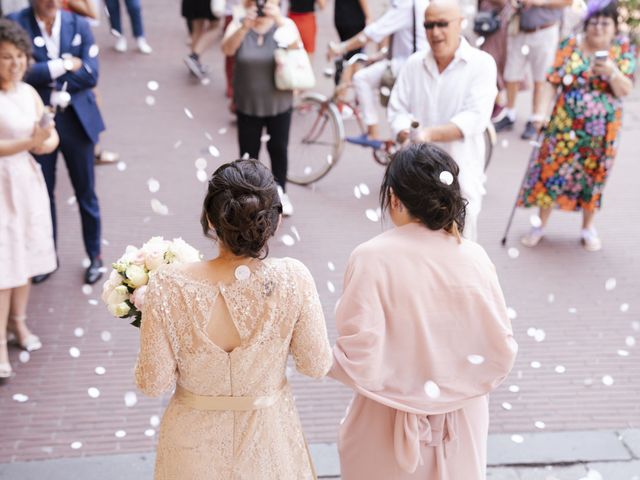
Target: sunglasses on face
439	24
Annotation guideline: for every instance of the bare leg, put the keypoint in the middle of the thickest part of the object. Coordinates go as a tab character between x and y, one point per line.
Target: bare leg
544	214
538	98
373	131
5	302
197	29
587	219
18	311
206	39
512	94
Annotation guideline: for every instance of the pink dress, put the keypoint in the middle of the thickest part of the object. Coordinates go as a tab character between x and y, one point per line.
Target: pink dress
26	235
423	337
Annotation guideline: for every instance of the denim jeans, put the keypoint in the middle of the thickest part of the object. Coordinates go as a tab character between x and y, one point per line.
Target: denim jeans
135	14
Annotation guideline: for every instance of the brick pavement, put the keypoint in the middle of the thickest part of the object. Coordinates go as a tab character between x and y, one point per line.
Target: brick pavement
160	141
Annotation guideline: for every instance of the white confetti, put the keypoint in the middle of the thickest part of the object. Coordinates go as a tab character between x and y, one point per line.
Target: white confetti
213	151
307	170
158	207
588	382
610	284
560	369
431	389
356	192
153	185
295	232
446	177
100	370
265	138
624	307
551	298
79	332
188	113
76	445
93	302
201	163
202	176
535	221
535	364
364	188
372	215
504	143
572	310
636	326
480	41
630	341
525	50
475	359
93	392
331	287
39	41
105	336
330	159
149	432
121	166
513	252
540	425
517	438
511	313
514	388
607	380
130	399
87	289
154	421
24	356
74	352
71	200
150	100
507	406
20	397
120	434
205	80
153	85
222	131
94	50
540	335
567	79
287	240
385	91
623	353
177	144
331	266
86	262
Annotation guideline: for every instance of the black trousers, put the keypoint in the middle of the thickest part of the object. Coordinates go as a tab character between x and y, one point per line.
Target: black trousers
249	139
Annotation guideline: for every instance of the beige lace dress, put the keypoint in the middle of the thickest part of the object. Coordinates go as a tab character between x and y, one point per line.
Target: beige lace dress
276	310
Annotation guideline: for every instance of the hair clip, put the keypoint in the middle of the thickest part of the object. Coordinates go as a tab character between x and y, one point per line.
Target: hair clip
446	177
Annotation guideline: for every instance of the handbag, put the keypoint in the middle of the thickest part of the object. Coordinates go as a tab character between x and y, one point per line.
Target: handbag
217	8
293	69
486	23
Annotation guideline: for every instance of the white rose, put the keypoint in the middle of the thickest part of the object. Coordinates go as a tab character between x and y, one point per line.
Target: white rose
117	295
182	252
119	309
114	280
154	258
137	298
136	276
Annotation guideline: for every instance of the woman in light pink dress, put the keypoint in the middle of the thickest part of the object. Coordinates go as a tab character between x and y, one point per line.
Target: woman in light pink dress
26	236
423	334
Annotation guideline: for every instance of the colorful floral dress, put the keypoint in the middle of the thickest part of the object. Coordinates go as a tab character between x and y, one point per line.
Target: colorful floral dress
581	140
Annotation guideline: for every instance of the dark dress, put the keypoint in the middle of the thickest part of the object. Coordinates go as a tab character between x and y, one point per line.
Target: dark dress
197	10
349	20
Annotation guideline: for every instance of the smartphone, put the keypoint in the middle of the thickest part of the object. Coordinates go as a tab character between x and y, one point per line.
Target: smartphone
46	119
601	55
260	6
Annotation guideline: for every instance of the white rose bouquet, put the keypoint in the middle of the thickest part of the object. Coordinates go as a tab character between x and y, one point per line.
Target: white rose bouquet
124	290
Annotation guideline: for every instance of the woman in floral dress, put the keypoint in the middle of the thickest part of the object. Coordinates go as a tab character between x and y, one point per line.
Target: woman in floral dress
581	138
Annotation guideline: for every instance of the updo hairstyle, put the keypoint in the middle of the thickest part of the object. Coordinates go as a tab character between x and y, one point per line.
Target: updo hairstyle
414	175
243	206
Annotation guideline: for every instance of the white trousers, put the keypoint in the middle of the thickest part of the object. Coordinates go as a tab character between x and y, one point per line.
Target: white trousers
366	82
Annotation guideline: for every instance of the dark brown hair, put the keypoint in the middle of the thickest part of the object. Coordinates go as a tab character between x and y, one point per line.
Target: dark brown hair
11	32
414	176
243	206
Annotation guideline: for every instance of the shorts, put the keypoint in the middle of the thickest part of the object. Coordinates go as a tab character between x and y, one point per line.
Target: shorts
536	48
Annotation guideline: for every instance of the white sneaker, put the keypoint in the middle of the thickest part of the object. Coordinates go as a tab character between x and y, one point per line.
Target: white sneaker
143	46
287	207
121	45
590	240
532	238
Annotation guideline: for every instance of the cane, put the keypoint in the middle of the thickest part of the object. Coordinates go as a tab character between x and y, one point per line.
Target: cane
532	158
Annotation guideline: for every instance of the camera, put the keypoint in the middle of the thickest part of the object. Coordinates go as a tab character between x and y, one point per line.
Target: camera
260	5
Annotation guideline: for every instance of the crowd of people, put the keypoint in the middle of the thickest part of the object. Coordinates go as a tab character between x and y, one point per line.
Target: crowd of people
445	93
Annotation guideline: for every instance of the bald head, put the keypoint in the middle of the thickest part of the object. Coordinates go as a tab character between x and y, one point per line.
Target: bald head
443	24
450	8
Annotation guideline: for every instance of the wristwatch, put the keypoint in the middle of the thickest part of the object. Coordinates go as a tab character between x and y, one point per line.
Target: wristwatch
67	63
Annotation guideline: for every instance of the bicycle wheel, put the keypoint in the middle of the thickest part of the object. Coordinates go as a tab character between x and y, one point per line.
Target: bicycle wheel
490	140
315	140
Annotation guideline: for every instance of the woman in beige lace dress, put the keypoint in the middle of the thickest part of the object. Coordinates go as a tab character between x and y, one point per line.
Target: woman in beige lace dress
222	330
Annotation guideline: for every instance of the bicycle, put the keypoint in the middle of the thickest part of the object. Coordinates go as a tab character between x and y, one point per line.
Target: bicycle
322	137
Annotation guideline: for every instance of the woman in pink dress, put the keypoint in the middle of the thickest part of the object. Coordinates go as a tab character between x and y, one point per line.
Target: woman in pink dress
26	236
423	334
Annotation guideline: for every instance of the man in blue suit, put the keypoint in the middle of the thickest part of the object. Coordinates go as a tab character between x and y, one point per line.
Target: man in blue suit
66	64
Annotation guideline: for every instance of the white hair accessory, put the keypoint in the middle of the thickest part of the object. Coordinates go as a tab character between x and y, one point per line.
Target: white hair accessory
446	177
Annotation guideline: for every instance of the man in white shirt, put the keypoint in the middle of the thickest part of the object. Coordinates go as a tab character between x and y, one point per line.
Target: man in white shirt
449	89
403	22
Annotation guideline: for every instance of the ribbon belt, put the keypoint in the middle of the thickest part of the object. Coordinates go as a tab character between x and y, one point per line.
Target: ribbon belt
208	402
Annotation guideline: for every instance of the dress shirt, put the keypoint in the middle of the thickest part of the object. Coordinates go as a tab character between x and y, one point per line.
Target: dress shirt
463	94
52	43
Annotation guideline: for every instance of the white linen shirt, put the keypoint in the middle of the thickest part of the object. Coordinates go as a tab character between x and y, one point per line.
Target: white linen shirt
463	94
52	44
398	21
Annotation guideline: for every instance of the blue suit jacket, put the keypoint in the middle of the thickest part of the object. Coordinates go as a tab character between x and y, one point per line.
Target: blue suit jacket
75	39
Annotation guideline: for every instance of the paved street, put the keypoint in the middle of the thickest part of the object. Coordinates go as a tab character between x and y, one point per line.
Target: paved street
576	314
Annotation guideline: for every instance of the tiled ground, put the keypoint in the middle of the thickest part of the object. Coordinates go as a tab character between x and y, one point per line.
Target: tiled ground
160	141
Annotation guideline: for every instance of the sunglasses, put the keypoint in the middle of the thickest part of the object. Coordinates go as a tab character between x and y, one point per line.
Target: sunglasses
440	24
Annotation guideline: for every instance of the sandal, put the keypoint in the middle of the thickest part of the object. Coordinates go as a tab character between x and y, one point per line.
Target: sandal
532	238
590	240
31	343
5	367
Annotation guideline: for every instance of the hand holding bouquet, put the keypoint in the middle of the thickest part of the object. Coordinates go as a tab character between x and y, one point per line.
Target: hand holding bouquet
124	290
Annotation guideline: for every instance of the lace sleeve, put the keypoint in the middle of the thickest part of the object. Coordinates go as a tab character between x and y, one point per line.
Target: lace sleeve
156	367
310	345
